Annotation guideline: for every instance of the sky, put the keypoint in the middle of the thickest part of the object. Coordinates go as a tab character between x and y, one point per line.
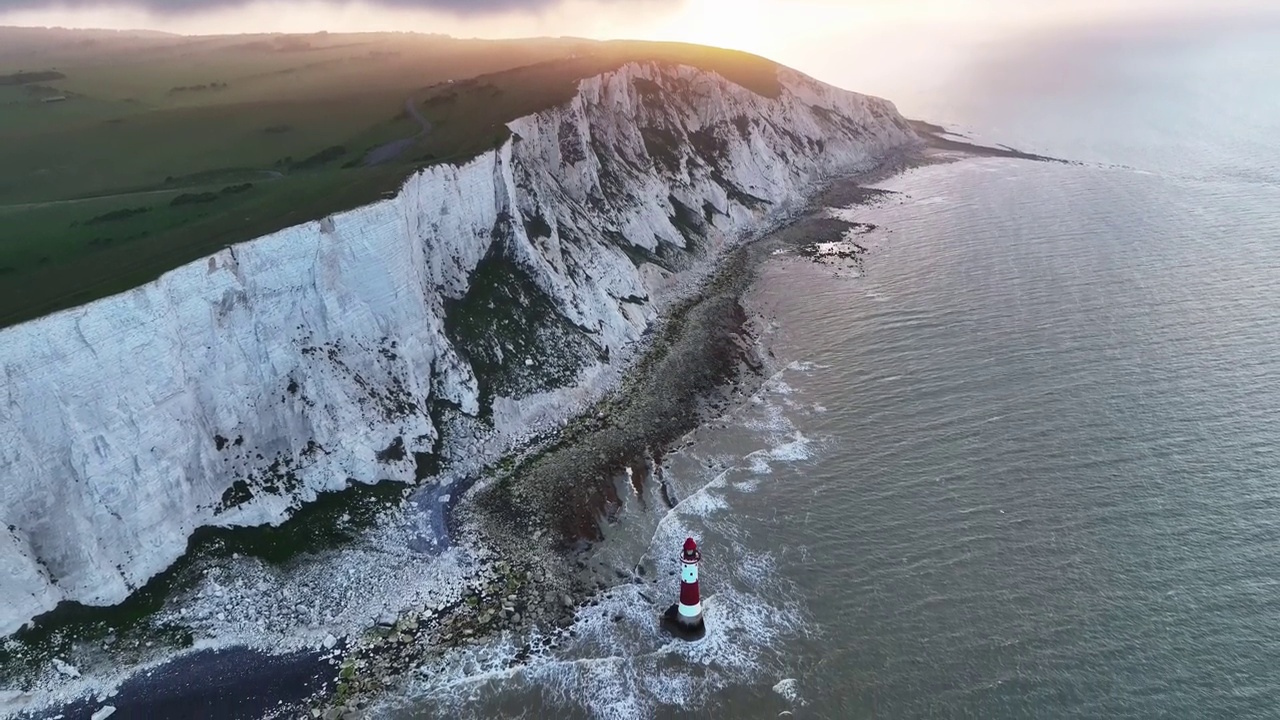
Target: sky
877	46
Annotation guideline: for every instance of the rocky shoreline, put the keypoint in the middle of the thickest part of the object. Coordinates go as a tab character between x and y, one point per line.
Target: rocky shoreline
537	520
538	510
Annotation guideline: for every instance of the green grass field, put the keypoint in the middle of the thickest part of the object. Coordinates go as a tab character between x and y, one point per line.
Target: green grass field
124	155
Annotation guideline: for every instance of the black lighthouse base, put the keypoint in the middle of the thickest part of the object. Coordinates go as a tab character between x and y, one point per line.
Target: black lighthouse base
682	627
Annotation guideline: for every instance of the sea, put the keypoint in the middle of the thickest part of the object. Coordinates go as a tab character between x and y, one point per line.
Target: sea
1021	461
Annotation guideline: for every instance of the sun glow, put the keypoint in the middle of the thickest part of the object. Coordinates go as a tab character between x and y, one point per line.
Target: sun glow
890	47
763	26
737	24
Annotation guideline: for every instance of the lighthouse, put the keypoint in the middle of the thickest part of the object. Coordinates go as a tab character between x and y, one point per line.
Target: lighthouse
684	619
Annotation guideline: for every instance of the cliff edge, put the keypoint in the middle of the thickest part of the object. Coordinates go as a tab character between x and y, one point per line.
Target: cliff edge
234	389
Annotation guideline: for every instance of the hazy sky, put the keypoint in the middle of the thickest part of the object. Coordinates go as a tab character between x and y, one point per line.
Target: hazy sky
736	22
869	45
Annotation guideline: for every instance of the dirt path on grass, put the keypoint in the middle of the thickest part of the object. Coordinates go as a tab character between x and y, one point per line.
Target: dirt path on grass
393	149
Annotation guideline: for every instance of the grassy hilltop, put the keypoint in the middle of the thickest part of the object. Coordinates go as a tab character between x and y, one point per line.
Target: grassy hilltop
126	154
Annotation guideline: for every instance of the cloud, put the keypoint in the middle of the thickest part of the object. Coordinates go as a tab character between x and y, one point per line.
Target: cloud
461	8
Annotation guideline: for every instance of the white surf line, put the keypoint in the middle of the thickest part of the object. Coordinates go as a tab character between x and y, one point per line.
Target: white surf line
549	662
718	482
744	628
557	673
540	670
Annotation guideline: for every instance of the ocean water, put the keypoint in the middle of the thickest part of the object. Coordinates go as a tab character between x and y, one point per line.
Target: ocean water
1022	463
1049	484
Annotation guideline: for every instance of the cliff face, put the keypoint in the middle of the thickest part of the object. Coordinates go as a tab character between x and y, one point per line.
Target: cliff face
234	389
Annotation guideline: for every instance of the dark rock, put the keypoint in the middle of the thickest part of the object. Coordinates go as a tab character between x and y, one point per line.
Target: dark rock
672	623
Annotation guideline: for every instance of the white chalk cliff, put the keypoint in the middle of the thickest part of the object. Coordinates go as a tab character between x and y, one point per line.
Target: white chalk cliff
234	389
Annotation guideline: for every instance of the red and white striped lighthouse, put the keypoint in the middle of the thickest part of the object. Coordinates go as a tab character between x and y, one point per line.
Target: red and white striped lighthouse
690	602
685	617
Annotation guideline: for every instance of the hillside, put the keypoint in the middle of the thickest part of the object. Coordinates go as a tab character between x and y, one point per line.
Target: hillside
124	155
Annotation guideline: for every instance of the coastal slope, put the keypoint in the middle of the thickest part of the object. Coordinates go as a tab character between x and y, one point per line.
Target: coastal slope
426	331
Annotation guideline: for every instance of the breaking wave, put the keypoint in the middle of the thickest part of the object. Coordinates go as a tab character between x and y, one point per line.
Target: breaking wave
614	662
